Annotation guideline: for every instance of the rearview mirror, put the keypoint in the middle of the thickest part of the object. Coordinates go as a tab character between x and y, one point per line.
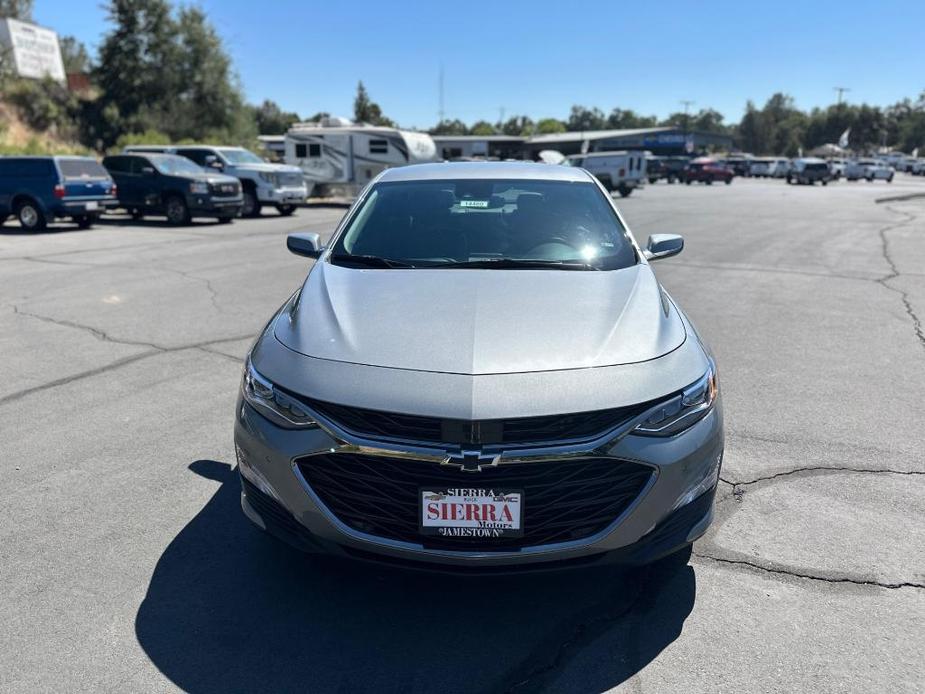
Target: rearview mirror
306	243
663	246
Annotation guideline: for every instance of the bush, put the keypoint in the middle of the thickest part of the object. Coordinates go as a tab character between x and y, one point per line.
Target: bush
44	105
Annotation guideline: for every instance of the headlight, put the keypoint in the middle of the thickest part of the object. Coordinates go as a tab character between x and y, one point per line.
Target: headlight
280	408
683	410
199	188
270	178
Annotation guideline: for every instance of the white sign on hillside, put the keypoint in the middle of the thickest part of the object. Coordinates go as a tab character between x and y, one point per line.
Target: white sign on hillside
33	51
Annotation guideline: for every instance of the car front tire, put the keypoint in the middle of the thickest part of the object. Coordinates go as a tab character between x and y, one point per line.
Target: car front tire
251	207
177	211
285	210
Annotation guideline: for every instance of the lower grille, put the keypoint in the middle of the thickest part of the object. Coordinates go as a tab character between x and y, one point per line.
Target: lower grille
562	500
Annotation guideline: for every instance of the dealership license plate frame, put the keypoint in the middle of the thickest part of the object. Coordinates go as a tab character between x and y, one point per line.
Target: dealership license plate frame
433	532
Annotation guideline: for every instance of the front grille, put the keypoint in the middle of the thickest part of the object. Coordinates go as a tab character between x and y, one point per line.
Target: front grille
562	500
291	179
225	189
520	431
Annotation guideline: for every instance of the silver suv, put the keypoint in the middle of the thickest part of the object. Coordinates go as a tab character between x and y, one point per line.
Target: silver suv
481	370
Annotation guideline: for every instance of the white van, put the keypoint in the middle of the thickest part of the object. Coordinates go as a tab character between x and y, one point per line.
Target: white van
622	171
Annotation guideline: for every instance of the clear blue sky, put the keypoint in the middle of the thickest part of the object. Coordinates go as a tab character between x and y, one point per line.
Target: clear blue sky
540	57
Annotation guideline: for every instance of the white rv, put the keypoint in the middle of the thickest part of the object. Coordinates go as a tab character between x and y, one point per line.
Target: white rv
337	157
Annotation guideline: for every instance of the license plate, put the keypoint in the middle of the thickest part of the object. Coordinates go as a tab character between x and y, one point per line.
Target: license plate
92	205
471	513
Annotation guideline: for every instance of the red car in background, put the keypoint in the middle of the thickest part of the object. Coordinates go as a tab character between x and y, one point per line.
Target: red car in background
706	170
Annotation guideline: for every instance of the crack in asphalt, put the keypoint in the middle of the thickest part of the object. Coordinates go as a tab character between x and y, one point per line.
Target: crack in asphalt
12	397
812	468
96	332
894	271
812	577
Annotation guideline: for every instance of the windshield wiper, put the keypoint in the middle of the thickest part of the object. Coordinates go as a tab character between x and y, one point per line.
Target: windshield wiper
369	261
520	264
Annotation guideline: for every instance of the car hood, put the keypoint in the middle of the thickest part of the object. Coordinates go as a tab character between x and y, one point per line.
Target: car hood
268	168
481	321
206	176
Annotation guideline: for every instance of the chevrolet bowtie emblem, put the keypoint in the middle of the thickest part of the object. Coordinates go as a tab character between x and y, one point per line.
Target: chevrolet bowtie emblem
471	461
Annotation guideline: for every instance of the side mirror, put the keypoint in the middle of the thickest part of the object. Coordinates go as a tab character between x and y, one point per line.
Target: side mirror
306	243
663	246
213	163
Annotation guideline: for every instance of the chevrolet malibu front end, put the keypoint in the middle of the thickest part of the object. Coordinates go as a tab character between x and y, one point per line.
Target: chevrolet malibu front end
481	370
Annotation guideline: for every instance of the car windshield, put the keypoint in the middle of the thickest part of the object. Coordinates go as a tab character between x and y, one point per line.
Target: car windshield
175	165
484	223
240	156
82	168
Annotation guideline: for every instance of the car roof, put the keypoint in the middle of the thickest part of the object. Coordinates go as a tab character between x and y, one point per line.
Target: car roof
485	170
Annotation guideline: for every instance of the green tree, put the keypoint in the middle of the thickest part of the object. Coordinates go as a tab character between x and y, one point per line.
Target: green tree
450	127
272	120
518	125
549	126
17	9
74	55
136	72
620	119
368	111
482	127
581	118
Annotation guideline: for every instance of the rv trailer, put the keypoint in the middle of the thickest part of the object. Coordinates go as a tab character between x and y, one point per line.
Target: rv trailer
339	158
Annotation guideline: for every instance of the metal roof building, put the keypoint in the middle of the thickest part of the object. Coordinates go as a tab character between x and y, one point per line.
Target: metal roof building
665	140
466	146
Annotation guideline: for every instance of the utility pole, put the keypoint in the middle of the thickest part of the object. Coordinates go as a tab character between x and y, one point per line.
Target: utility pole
440	113
500	116
841	91
686	103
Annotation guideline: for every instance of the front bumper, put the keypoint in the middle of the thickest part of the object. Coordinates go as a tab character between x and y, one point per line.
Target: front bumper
208	206
285	195
277	497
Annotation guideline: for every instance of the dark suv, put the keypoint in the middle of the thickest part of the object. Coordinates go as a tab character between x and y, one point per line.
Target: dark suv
174	186
38	189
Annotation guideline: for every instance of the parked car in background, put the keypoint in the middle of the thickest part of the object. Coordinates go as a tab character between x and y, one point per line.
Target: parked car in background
779	168
869	170
918	168
621	171
809	170
655	168
37	190
740	165
262	183
174	186
837	167
706	170
760	168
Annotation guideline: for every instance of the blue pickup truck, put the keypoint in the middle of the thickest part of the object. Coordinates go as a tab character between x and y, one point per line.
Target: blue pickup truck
37	190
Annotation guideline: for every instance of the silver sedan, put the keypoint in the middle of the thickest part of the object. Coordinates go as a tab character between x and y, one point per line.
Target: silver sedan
481	371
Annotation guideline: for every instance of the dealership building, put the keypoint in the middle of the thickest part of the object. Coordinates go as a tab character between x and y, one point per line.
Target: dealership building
664	141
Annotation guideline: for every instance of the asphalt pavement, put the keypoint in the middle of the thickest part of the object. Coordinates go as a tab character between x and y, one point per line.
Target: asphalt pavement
126	564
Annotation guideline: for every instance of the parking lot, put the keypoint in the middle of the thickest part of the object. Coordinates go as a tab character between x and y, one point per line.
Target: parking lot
127	565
